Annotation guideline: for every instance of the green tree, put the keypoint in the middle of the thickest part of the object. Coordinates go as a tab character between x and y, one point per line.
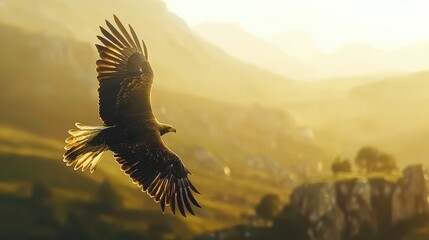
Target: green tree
370	159
160	230
268	208
364	157
41	194
341	166
384	163
107	198
43	208
290	224
247	218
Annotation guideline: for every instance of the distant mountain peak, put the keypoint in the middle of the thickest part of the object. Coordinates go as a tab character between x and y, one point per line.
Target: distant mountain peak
298	44
220	26
239	43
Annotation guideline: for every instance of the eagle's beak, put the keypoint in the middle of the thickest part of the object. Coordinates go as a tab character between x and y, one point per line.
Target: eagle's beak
174	130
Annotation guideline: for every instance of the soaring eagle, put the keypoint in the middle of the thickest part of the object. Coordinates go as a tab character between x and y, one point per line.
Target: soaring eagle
130	131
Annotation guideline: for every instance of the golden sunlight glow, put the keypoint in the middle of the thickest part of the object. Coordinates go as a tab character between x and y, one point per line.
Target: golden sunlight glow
286	111
332	23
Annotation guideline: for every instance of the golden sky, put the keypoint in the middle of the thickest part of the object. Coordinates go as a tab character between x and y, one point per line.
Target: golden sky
331	23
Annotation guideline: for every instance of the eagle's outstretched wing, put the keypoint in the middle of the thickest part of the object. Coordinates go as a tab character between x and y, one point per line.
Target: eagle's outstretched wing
125	77
159	172
124	74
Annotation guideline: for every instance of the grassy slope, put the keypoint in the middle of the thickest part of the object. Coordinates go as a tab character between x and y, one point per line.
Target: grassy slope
27	166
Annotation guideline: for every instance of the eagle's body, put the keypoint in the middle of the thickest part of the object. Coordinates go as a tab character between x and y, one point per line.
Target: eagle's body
130	128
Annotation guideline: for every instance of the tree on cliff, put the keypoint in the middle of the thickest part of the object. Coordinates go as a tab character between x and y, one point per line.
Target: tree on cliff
341	166
41	194
43	211
268	208
107	198
370	159
290	224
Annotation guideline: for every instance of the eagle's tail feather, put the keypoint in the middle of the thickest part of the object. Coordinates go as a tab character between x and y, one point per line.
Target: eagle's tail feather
84	147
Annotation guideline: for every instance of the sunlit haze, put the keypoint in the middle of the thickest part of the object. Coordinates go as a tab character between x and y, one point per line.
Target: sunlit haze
303	119
331	23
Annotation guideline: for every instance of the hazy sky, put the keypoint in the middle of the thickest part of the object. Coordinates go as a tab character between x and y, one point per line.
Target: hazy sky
331	23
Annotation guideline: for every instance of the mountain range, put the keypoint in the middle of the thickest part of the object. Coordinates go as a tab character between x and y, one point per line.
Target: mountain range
295	54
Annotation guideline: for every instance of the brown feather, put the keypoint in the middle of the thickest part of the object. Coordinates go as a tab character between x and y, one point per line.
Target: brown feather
109	44
185	200
118	35
111	37
145	51
136	39
108	57
109	52
180	203
173	204
124	32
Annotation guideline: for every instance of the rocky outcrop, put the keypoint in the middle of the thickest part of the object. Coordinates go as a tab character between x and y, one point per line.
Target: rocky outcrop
318	203
410	196
381	200
360	207
354	199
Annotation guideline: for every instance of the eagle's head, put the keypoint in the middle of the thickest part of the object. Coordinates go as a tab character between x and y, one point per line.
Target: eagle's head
166	128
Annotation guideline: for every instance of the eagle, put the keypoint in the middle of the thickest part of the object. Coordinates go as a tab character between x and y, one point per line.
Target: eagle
130	129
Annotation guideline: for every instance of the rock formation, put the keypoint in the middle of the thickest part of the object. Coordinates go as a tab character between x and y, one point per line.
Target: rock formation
410	196
359	207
